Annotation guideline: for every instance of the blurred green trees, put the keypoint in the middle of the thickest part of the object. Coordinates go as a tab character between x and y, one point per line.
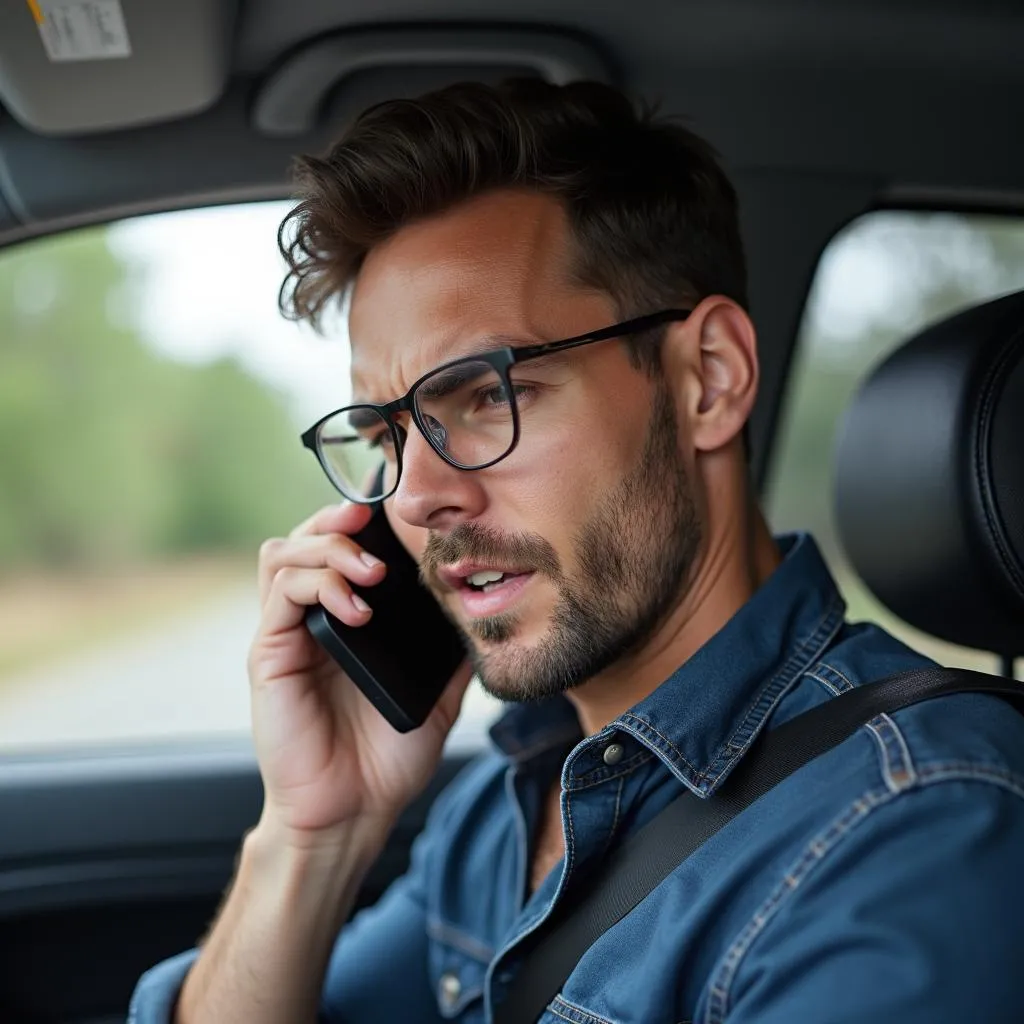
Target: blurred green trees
110	453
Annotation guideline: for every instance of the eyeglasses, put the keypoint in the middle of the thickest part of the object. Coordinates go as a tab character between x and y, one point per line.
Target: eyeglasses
468	411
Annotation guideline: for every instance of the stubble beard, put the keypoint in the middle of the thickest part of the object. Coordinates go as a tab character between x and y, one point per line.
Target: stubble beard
635	555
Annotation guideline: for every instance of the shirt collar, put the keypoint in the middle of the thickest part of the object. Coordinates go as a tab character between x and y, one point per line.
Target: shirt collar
702	719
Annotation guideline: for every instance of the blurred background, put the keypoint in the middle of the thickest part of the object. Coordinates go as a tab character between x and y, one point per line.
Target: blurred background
151	401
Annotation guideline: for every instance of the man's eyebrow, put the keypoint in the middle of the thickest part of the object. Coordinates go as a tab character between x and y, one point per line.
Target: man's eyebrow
363	418
487	344
445	382
478	347
494	342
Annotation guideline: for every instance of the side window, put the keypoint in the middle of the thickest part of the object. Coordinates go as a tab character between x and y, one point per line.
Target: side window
880	280
151	400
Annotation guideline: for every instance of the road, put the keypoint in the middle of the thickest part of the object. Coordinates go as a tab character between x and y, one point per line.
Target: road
180	679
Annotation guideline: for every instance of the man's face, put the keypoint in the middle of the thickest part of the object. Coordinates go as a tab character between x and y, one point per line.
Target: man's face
591	515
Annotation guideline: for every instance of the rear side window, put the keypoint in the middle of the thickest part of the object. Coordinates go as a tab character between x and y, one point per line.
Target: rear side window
151	400
880	280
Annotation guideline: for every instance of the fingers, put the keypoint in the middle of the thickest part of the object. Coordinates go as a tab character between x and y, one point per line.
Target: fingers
312	565
295	589
315	551
346	518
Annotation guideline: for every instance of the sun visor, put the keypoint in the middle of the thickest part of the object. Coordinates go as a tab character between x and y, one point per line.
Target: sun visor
335	77
70	67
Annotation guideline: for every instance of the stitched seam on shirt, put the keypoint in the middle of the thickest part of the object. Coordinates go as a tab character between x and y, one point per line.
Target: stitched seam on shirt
897	766
891	736
666	745
823	844
902	771
771	693
607	773
543	912
961	771
831	685
805	654
618	807
834	690
573	1013
814	853
452	936
615	817
570	846
466	997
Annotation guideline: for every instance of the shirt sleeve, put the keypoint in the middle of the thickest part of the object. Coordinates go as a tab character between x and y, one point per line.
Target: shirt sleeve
378	969
915	916
157	990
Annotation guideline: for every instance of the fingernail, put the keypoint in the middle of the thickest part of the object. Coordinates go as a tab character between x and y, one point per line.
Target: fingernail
369	560
360	604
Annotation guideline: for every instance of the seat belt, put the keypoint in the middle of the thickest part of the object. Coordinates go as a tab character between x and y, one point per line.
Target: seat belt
634	869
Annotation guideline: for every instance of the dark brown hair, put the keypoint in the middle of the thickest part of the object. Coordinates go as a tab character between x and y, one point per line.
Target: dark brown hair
653	215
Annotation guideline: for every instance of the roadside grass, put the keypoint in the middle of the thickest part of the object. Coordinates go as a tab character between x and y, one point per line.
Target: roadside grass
47	617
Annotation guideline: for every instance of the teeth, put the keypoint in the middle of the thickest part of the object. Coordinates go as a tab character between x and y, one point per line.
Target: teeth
479	579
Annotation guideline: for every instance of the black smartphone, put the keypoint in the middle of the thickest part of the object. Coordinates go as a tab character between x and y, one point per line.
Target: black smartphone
403	658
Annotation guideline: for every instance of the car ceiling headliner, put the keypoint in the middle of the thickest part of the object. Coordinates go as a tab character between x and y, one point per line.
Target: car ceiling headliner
821	111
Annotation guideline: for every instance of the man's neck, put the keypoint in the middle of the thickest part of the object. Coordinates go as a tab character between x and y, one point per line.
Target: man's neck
734	562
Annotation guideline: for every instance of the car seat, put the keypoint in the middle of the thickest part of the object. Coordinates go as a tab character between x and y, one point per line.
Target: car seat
930	480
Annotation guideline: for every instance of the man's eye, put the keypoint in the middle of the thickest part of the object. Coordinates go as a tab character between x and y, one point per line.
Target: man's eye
384	440
494	397
497	396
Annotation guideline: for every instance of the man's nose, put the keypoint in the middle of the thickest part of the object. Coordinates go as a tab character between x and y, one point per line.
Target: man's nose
431	493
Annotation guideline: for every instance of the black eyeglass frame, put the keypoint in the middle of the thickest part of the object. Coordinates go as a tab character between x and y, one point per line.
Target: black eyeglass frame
500	360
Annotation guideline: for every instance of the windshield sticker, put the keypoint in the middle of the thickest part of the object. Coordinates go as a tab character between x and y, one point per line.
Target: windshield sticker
82	30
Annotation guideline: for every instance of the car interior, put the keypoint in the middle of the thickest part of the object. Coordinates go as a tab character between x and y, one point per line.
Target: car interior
115	856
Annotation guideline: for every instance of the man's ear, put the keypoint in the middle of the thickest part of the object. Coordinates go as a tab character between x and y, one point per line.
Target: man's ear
712	364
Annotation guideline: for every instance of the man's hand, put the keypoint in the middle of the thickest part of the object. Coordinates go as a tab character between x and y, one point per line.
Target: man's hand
335	775
327	756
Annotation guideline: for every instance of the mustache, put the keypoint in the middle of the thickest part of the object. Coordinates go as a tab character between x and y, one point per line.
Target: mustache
476	543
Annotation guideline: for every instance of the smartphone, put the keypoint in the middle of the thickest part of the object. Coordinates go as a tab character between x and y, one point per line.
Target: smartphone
404	657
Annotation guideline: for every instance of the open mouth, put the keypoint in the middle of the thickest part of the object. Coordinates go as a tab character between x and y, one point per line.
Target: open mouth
489	579
479	578
484	590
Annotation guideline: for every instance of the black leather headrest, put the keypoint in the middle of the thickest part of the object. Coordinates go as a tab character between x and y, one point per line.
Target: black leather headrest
930	479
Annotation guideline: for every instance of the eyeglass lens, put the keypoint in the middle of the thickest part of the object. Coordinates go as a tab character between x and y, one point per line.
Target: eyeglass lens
467	415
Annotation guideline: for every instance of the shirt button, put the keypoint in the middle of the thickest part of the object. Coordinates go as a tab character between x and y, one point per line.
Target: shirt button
451	989
613	753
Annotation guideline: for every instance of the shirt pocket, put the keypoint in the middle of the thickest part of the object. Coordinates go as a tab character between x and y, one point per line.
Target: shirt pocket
458	969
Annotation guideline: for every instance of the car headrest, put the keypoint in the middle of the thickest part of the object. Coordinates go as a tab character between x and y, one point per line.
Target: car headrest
930	479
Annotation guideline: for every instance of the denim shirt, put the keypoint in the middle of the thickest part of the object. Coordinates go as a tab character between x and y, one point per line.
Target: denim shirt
879	883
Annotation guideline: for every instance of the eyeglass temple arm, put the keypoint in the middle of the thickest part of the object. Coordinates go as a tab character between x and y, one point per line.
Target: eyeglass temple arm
641	323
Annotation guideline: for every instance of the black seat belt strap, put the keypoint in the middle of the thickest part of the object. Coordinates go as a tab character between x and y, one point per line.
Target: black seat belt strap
644	860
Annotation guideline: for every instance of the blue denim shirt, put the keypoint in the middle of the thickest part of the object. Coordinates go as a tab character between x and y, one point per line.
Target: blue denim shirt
880	883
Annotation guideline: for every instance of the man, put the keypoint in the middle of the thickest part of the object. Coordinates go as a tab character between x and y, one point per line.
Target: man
644	620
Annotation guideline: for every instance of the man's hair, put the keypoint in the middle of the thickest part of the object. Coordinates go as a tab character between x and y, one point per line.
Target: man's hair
652	214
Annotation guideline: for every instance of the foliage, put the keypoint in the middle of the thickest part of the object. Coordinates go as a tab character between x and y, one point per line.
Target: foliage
111	453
